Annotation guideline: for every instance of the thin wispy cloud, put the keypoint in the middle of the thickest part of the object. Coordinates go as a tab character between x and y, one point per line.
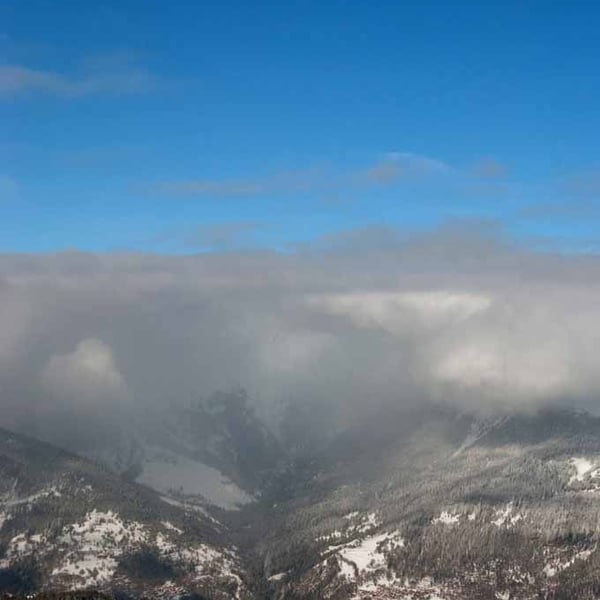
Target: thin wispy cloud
223	236
574	196
392	168
399	165
490	168
117	74
289	181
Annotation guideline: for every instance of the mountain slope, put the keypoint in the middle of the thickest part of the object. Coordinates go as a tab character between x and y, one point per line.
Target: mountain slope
67	523
214	452
445	507
412	504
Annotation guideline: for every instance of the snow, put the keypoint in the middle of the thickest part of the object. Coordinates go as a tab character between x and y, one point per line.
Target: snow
334	535
278	576
168	525
554	567
582	467
193	507
102	529
21	545
92	569
167	472
370	522
365	554
446	518
164	544
402	590
94	543
505	517
31	499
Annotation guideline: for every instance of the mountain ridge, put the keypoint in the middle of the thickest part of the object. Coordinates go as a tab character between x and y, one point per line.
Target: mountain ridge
432	504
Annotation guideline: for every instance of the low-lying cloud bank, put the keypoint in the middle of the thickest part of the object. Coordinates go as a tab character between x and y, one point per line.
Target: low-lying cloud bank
451	317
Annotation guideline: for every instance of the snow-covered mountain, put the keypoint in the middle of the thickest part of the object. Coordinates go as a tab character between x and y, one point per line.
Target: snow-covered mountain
67	523
442	505
412	504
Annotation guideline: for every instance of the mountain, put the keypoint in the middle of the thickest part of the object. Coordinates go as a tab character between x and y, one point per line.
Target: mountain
435	504
405	503
214	452
68	523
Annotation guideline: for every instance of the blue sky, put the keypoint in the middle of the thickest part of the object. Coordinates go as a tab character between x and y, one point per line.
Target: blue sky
189	126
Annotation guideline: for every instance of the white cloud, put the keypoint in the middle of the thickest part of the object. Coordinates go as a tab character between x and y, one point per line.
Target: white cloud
87	375
396	311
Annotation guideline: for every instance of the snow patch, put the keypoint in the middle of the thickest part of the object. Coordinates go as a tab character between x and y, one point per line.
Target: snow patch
402	590
22	545
582	467
365	555
334	535
191	506
556	566
91	569
31	499
446	518
94	545
505	517
168	525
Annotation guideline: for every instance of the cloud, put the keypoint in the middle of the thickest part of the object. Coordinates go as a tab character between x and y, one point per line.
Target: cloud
490	168
108	75
396	311
223	236
86	376
458	316
396	165
574	196
393	168
284	181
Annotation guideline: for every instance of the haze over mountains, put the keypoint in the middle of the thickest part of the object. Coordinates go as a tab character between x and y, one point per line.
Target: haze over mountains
457	317
393	419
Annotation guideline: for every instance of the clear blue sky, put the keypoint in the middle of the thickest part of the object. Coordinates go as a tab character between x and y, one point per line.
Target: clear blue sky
184	126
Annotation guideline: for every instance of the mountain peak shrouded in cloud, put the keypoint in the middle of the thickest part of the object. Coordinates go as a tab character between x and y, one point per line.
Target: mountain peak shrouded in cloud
497	331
